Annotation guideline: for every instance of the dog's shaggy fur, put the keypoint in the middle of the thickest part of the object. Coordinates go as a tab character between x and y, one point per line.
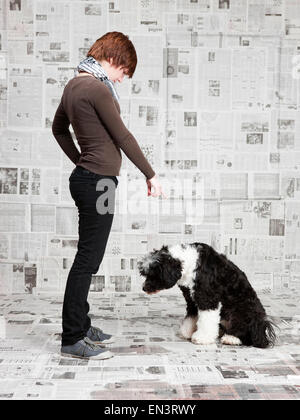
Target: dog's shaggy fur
220	300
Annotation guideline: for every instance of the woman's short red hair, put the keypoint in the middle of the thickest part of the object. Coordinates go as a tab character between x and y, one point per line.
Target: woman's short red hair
117	46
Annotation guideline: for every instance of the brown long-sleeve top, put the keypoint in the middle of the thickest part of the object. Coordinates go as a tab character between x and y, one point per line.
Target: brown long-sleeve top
88	105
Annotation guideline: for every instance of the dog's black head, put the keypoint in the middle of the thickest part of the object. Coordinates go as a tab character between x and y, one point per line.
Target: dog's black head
160	269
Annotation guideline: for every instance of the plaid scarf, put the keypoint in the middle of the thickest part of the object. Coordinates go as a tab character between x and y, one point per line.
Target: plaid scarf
90	65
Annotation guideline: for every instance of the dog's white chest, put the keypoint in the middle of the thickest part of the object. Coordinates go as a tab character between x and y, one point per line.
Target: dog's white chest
186	281
189	257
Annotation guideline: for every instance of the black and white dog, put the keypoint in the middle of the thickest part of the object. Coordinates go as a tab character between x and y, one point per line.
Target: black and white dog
220	300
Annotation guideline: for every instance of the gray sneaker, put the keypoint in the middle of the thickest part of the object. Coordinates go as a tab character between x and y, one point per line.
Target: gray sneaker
85	349
97	336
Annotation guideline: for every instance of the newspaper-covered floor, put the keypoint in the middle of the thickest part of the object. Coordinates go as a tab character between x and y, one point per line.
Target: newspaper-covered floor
151	361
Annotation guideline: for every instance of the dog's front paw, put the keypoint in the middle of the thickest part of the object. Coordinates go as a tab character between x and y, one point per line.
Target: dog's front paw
188	327
230	340
202	339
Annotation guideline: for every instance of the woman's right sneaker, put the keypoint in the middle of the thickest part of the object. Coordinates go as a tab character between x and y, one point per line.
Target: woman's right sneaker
85	349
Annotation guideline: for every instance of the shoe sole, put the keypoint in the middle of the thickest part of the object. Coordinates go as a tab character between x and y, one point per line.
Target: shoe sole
103	343
106	355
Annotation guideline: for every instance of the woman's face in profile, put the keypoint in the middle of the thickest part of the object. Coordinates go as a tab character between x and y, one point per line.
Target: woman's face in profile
115	74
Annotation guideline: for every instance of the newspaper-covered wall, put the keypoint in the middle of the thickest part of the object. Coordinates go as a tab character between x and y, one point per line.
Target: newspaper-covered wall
214	105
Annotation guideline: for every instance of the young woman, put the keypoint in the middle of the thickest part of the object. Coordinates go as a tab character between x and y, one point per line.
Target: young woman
90	104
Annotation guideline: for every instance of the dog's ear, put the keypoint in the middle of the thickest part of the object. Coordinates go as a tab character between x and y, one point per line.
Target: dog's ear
172	271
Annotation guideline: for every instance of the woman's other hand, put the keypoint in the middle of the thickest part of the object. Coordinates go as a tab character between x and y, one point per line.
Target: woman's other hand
154	184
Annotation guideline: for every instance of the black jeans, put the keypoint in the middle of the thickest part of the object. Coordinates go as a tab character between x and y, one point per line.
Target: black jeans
90	196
